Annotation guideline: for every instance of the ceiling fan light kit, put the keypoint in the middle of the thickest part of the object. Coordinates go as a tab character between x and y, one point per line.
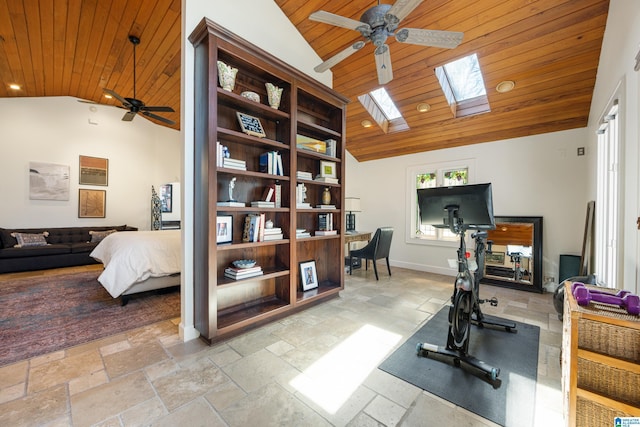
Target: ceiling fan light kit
135	105
376	25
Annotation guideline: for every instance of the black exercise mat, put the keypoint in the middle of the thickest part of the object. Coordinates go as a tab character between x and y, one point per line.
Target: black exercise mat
516	354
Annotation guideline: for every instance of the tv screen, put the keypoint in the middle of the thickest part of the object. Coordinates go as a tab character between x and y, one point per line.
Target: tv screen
471	204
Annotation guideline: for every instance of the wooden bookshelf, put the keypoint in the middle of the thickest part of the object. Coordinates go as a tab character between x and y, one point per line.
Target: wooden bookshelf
223	306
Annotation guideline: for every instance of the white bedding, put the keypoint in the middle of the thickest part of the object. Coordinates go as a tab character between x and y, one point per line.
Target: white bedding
134	256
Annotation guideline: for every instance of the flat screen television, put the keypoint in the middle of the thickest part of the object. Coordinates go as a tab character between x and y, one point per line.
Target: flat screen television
470	206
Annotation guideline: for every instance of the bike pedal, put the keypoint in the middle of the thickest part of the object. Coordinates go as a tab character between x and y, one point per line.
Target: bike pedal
493	302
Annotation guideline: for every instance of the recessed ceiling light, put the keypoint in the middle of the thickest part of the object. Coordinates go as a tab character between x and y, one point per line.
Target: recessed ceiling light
106	95
423	107
505	86
366	123
14	86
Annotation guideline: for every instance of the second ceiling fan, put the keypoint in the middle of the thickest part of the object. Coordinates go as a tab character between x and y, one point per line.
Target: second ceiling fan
378	23
135	105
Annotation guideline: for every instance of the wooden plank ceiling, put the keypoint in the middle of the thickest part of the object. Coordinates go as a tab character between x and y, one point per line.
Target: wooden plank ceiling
550	48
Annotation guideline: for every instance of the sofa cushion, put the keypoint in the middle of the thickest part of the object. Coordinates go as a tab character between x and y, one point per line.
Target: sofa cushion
30	239
97	236
33	251
82	247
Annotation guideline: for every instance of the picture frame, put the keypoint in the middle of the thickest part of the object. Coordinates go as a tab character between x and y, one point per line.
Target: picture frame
166	194
308	275
250	125
328	169
224	229
93	171
92	203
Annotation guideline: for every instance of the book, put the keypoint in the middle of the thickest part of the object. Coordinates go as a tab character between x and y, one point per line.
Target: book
326	179
269	193
325	221
236	270
279	168
242	275
261	204
304	175
268	237
303	205
254	227
326	206
278	195
274	230
261	228
331	147
326	232
245	232
232	204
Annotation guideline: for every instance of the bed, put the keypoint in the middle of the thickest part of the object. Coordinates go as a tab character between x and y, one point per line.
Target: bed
139	261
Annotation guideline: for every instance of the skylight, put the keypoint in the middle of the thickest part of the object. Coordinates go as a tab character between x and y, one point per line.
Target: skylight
463	86
465	78
385	103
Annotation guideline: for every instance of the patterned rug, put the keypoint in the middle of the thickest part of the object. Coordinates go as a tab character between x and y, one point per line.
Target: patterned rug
45	314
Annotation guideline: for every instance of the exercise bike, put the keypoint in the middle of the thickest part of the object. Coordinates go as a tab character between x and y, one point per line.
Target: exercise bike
465	307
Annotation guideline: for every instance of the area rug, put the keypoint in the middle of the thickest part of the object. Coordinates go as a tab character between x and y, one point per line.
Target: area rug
45	314
516	354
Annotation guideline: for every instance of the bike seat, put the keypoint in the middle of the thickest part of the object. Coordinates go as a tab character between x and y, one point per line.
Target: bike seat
479	234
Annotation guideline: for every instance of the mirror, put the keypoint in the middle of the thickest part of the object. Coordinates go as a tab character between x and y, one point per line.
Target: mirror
515	260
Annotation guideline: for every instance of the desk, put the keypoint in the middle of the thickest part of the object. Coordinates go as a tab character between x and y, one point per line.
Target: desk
360	236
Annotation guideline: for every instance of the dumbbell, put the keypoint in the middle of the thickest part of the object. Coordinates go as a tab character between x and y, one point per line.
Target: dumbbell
619	294
629	302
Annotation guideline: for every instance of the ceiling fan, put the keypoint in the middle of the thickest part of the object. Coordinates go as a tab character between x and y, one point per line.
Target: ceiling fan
135	105
378	23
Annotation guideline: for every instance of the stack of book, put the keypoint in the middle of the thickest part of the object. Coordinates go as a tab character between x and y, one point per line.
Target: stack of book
326	179
304	175
253	223
301	232
271	163
272	193
325	225
222	151
325	206
230	163
262	204
331	147
274	233
242	273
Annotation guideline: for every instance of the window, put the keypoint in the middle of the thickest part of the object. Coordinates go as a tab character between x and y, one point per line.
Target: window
382	109
463	86
608	201
429	176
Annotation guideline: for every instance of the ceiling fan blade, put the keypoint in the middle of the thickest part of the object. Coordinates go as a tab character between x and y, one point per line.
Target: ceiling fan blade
337	20
128	116
157	117
339	57
383	64
401	8
163	109
116	96
435	38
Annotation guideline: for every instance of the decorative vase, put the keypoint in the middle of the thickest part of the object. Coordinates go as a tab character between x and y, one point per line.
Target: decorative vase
227	76
326	197
274	93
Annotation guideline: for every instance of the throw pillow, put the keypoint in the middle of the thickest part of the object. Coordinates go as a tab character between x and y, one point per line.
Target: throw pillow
98	236
27	239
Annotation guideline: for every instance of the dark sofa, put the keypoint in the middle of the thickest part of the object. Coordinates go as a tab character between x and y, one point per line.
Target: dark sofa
66	247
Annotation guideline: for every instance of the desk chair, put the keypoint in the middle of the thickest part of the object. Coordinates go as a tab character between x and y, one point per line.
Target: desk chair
378	247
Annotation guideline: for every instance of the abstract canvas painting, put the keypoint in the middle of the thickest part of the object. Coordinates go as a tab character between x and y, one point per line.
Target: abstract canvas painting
48	181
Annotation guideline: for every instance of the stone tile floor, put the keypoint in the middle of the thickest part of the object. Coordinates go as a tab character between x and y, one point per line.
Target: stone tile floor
308	369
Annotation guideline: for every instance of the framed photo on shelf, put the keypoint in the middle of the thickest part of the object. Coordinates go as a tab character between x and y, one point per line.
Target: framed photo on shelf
224	229
92	203
94	171
308	275
250	125
328	169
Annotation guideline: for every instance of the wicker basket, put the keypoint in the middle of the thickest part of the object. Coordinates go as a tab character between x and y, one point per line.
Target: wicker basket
618	384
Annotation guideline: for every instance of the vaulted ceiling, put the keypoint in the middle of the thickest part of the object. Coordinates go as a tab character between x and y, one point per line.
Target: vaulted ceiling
549	48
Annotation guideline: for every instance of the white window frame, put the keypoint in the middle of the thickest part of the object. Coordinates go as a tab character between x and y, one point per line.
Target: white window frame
412	218
609	190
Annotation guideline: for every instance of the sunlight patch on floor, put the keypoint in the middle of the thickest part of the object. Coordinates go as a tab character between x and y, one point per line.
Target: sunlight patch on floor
334	377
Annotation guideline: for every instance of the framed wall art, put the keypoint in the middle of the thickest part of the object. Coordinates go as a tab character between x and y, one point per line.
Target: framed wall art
94	171
92	203
224	229
48	181
308	275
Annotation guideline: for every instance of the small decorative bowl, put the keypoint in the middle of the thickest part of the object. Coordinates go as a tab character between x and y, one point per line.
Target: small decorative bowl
251	95
244	263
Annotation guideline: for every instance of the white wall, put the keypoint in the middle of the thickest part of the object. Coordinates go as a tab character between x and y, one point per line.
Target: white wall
57	130
617	59
532	176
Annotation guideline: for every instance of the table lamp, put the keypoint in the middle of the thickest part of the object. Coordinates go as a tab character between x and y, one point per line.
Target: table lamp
351	205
